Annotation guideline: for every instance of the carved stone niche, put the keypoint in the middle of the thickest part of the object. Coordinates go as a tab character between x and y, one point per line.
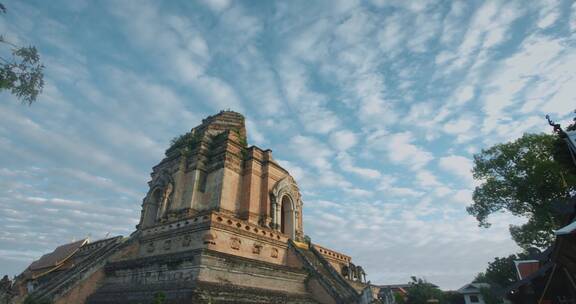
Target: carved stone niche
186	240
150	247
274	252
167	244
235	243
257	248
345	271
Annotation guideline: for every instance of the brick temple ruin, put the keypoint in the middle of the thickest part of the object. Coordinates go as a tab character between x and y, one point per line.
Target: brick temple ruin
221	223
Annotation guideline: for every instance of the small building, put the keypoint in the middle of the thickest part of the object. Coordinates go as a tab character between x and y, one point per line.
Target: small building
472	292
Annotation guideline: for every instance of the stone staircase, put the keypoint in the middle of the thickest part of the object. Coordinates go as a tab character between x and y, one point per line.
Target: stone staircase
66	280
328	277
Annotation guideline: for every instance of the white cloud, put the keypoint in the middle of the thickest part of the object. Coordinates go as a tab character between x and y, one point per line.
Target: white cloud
343	139
400	149
464	94
457	165
403	192
318	159
427	179
489	28
217	94
217	5
549	13
311	151
451	25
346	163
358	192
297	172
310	106
572	18
539	75
463	197
459	126
254	133
442	191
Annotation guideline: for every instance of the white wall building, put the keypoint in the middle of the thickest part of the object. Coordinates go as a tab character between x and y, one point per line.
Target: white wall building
471	293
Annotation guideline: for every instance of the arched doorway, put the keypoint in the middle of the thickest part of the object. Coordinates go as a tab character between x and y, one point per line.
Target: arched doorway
287	225
152	208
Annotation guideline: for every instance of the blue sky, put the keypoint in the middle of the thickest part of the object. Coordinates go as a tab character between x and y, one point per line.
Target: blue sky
375	107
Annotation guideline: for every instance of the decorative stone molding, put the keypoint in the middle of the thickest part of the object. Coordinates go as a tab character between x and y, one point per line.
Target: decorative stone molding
286	187
167	244
243	227
209	239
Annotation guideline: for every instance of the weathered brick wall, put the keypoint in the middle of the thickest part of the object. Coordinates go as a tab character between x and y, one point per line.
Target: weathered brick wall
81	291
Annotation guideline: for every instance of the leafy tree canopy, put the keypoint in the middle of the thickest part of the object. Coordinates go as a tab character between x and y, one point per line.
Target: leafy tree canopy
501	272
524	177
420	291
21	71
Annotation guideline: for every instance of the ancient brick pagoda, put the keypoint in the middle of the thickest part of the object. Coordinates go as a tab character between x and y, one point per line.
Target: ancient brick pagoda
221	223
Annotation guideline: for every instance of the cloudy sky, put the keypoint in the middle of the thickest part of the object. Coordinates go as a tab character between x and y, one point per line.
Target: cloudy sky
375	107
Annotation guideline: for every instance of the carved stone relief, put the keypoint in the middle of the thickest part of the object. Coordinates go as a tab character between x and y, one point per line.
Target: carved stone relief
235	243
274	253
150	247
257	248
186	240
160	276
167	244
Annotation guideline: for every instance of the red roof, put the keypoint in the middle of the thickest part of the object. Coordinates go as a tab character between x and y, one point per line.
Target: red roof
526	268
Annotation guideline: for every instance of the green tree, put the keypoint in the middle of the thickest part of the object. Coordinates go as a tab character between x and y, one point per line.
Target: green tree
159	297
399	298
490	296
501	272
524	177
420	291
21	72
453	297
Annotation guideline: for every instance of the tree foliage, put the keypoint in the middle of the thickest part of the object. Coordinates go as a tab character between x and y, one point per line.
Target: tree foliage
524	177
159	298
490	296
501	272
420	291
21	71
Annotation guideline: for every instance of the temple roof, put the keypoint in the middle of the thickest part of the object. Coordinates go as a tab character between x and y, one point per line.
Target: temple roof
566	229
58	256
